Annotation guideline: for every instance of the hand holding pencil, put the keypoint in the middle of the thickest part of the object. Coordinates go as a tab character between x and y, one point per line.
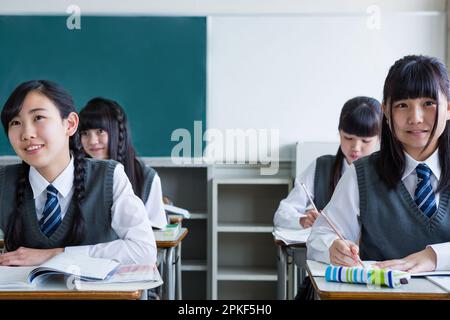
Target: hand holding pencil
341	247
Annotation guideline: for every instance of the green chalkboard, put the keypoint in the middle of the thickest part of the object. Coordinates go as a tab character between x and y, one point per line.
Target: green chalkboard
155	67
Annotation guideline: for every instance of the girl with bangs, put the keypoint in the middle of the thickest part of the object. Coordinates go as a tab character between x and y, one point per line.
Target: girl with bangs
105	134
393	206
56	200
359	129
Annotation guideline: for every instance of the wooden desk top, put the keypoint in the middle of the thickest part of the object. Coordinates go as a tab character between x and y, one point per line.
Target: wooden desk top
173	243
70	295
417	289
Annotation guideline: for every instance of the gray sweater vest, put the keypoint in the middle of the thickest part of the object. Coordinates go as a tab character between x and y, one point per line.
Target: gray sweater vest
392	226
96	207
322	177
149	174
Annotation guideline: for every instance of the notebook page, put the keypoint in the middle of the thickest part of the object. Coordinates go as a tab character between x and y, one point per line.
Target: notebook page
87	267
14	276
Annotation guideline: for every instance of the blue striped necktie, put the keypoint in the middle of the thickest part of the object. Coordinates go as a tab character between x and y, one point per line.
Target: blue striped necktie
424	195
51	216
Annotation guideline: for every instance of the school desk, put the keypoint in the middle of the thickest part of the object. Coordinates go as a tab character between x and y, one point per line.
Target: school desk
289	258
417	288
172	257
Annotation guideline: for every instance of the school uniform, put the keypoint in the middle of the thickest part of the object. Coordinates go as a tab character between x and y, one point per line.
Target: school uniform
116	223
316	177
387	223
151	195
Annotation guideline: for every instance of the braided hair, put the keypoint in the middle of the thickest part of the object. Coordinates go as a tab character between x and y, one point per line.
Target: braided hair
108	115
64	103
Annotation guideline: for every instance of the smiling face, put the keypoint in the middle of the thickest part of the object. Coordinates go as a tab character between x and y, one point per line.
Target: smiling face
413	121
95	143
354	147
39	135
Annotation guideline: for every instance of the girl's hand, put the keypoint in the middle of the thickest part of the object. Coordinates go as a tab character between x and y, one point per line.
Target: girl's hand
28	257
342	254
421	261
308	220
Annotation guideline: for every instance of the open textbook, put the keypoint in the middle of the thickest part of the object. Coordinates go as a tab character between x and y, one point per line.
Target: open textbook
82	273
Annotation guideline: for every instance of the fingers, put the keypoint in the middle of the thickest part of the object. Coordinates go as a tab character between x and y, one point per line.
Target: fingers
342	253
313	213
309	218
11	259
397	264
306	221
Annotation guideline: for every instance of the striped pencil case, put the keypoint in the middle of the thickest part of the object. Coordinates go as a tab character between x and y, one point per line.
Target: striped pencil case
381	277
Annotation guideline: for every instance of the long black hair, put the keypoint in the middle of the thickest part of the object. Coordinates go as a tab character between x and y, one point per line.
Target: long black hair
412	77
360	116
108	115
64	103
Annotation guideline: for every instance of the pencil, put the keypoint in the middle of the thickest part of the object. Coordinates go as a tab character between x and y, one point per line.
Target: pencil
328	221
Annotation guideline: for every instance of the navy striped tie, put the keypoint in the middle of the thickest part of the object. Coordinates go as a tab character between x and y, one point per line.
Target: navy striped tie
424	195
51	216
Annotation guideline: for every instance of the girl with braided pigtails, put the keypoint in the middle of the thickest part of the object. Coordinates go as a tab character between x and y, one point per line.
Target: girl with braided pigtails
50	202
105	135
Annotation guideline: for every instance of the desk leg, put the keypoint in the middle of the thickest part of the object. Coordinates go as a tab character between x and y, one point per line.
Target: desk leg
281	270
144	295
170	274
162	265
178	269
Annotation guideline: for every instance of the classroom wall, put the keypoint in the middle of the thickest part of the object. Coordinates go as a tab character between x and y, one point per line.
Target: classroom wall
288	65
292	74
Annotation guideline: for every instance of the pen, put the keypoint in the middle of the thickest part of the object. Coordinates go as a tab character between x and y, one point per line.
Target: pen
328	221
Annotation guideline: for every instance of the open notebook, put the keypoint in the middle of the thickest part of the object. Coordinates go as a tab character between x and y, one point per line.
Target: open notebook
82	273
441	281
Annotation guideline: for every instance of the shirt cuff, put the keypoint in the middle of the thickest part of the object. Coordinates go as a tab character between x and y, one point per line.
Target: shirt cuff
442	251
80	250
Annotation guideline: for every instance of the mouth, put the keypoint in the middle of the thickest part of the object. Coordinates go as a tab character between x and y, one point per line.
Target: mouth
417	132
33	148
96	149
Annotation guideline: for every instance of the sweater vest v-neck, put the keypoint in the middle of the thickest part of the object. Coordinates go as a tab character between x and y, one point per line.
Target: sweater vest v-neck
392	226
96	207
322	177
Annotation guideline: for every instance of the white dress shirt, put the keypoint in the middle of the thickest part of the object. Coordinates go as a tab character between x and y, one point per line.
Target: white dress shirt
155	206
136	243
296	204
343	209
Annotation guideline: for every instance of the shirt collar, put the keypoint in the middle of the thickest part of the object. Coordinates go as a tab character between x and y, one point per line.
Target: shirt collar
63	183
432	162
345	165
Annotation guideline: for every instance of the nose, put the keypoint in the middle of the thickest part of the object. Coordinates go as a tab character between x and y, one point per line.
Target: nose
28	132
356	146
415	115
92	138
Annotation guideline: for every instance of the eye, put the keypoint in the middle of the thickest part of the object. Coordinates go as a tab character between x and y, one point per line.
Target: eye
38	117
366	141
101	131
430	103
348	138
14	123
83	133
400	105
